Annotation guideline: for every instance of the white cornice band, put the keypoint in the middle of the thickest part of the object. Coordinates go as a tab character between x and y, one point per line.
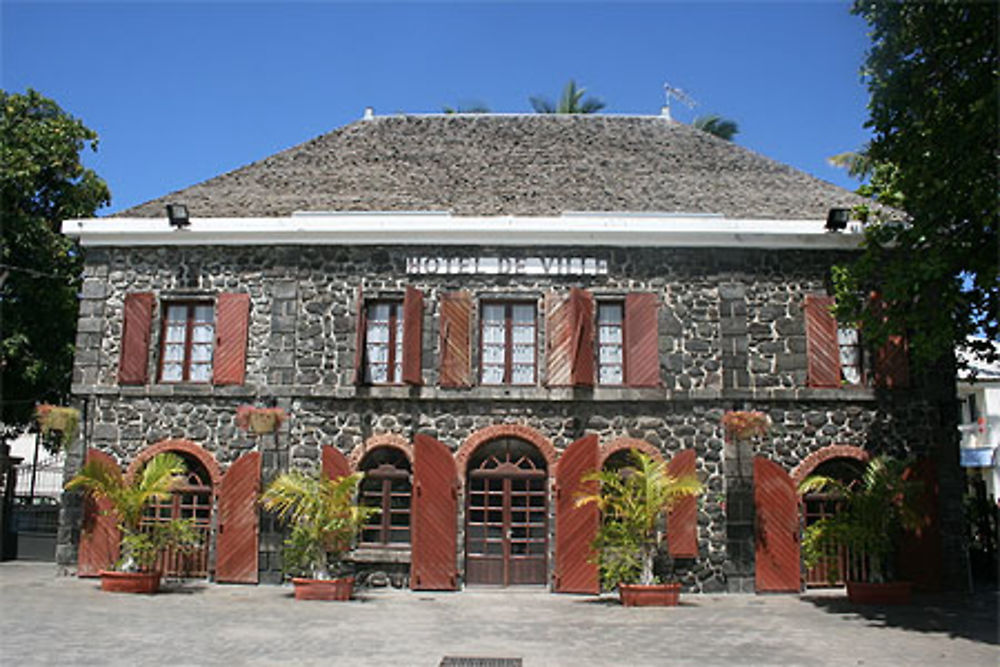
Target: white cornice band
434	229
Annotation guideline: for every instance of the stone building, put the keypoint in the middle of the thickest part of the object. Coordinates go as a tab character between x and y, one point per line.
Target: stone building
474	309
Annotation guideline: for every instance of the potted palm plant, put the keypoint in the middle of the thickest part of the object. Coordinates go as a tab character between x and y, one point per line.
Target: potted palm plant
140	545
325	519
632	501
875	510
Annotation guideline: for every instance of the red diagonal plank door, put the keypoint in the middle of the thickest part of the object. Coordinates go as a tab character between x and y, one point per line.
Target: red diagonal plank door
335	464
777	533
236	553
435	512
682	520
576	527
920	553
99	534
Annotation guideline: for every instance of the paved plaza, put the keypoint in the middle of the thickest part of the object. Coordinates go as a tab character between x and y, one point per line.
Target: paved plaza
50	620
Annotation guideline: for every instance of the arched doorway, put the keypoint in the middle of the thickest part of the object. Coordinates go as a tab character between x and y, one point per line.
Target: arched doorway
831	569
386	485
190	500
506	514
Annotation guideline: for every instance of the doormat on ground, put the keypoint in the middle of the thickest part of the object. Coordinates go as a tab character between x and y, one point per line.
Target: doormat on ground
462	661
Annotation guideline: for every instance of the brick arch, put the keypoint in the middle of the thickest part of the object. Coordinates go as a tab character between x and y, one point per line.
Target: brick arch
178	445
813	461
484	435
619	444
380	440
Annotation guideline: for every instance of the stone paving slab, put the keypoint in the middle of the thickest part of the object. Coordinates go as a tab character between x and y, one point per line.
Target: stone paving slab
50	620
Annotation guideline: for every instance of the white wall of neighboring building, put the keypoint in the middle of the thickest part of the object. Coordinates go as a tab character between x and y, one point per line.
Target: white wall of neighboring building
978	391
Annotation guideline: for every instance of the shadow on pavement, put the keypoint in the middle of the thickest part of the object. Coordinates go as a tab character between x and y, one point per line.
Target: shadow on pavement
971	617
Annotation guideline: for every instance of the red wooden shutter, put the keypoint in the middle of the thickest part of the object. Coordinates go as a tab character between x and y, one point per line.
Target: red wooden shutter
559	337
435	512
456	353
583	337
413	335
682	520
920	551
359	339
822	348
576	527
335	464
99	534
642	356
236	543
132	368
232	322
892	368
777	532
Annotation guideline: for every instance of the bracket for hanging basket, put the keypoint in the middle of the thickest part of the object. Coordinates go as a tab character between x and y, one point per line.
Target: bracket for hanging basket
259	420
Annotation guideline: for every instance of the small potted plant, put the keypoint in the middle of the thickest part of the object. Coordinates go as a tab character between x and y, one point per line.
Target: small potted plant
259	420
325	519
632	501
140	545
874	512
62	420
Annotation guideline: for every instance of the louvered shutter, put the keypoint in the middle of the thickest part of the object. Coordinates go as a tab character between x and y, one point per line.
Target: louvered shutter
335	464
456	352
232	323
776	554
682	520
413	331
132	367
99	534
582	340
237	543
892	368
359	338
822	348
559	338
576	527
642	357
435	513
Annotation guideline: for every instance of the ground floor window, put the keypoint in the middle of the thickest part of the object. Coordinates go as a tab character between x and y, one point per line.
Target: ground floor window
192	500
387	486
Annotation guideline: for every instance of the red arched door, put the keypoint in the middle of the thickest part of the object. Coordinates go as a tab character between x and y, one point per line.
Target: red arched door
506	515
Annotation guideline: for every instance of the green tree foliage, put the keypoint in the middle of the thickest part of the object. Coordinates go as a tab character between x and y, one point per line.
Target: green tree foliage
932	74
572	101
42	183
468	107
718	126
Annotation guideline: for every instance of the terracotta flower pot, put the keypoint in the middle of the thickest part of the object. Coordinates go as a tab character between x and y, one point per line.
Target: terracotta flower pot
130	582
893	592
655	595
323	589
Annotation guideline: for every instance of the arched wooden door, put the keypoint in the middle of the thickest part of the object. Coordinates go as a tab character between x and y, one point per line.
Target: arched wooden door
191	500
776	556
506	515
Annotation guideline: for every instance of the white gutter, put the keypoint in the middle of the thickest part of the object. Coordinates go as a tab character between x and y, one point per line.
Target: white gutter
439	228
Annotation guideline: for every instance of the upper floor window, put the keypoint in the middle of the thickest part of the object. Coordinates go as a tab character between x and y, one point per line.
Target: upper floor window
851	355
508	343
610	343
188	336
384	343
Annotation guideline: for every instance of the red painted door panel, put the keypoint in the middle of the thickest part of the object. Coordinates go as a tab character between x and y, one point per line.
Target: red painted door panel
682	520
920	552
99	535
777	535
435	512
237	544
576	527
335	464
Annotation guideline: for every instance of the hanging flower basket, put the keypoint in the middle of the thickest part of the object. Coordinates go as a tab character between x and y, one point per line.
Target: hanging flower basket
65	421
259	420
742	425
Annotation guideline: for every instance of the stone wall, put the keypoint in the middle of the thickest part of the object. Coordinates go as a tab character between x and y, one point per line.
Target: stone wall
731	337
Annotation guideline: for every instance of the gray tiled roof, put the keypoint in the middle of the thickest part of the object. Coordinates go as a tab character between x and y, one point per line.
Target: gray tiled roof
512	165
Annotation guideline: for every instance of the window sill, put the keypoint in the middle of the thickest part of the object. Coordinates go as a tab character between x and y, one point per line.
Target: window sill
381	554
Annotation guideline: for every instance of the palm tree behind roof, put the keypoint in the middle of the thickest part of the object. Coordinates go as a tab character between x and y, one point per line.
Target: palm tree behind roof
715	124
572	101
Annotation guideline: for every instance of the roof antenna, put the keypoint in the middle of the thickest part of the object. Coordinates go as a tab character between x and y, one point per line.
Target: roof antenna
679	95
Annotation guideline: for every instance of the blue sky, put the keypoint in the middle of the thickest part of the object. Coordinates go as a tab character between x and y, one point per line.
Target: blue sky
180	92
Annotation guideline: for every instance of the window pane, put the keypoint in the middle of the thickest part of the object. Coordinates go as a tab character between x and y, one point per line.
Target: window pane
177	314
202	353
493	354
378	374
203	313
378	354
523	334
493	334
173	353
379	311
524	354
609	313
847	336
172	372
378	332
523	374
493	313
611	354
201	373
493	375
203	333
851	374
611	375
176	333
524	313
607	334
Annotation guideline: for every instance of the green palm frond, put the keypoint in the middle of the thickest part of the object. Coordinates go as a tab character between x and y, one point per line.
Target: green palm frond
718	126
570	102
